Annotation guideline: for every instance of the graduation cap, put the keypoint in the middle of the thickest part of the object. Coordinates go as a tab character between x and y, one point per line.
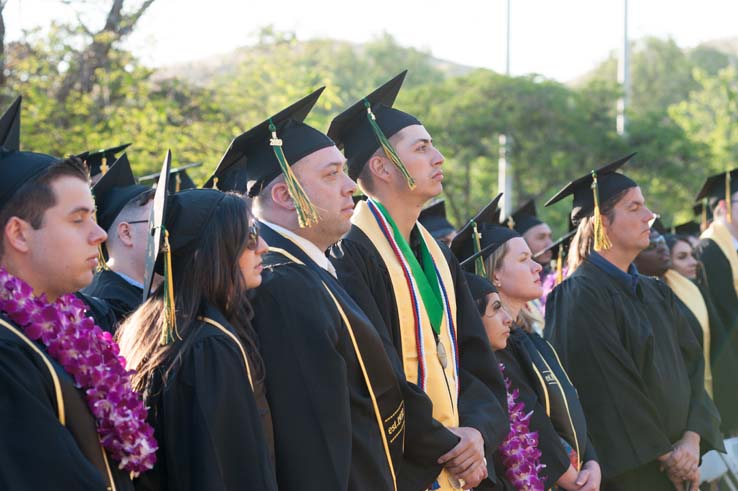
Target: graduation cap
593	189
472	237
720	186
658	225
366	126
524	218
255	158
179	180
114	191
480	287
491	238
16	167
357	198
559	249
433	218
98	161
687	228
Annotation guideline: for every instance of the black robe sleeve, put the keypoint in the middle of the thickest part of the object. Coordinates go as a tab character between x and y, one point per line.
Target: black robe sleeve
307	386
36	451
583	328
208	426
718	279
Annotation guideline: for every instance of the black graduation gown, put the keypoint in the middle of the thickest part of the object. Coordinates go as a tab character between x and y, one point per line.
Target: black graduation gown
482	399
205	418
36	451
325	428
639	371
517	358
99	310
122	297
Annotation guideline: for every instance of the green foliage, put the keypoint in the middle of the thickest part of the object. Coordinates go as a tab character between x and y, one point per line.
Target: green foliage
682	119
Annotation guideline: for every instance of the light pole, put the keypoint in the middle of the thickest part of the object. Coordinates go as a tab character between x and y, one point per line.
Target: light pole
504	173
624	77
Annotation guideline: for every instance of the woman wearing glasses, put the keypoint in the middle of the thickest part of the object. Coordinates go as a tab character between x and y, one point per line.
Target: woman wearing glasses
200	372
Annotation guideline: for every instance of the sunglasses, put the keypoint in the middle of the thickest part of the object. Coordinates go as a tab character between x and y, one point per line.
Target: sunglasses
252	237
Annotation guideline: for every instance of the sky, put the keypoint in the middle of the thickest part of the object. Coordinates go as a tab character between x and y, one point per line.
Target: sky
560	39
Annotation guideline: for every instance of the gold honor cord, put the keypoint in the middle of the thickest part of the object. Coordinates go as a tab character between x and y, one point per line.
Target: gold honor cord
368	381
387	146
220	327
728	197
601	241
307	214
52	372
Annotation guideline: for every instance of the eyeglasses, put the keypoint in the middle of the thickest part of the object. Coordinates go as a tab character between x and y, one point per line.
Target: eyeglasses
656	242
252	237
138	221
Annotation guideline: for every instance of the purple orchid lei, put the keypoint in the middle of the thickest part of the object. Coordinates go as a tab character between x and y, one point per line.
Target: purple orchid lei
519	451
90	356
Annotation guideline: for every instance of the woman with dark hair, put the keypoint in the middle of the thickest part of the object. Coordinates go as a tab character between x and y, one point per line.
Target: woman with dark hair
548	444
683	259
199	370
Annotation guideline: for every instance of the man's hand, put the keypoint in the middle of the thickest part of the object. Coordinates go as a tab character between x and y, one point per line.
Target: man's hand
685	457
589	477
466	460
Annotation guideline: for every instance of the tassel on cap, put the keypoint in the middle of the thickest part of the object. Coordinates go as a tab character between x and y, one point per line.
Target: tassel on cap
510	223
169	330
560	265
479	268
215	182
307	215
104	166
387	146
703	217
728	197
601	241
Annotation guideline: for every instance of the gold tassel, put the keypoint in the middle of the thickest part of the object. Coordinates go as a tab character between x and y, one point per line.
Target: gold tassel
307	215
510	223
387	146
479	268
728	197
104	166
215	182
169	331
560	265
102	264
601	240
177	183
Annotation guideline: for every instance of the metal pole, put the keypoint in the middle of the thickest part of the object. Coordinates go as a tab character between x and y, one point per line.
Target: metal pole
504	173
624	76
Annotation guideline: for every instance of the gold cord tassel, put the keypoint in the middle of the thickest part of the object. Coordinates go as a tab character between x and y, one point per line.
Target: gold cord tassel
169	331
560	265
177	183
728	197
102	264
601	241
104	166
479	268
387	146
307	215
215	182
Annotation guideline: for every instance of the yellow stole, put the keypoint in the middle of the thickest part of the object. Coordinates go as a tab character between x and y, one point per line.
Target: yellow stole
691	296
722	237
441	385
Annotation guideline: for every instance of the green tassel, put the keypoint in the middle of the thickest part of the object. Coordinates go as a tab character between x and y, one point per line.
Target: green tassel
307	215
387	146
479	268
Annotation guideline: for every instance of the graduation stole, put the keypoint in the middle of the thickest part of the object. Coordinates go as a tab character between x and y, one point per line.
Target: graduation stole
691	296
720	234
420	357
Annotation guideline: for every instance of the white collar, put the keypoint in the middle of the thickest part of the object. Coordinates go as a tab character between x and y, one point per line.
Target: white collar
309	248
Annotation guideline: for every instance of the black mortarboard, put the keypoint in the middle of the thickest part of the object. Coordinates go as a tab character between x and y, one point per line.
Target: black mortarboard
609	184
464	243
688	228
560	246
156	222
524	218
16	167
250	163
658	225
359	136
114	191
433	218
179	180
10	126
100	160
720	186
491	237
480	287
358	198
